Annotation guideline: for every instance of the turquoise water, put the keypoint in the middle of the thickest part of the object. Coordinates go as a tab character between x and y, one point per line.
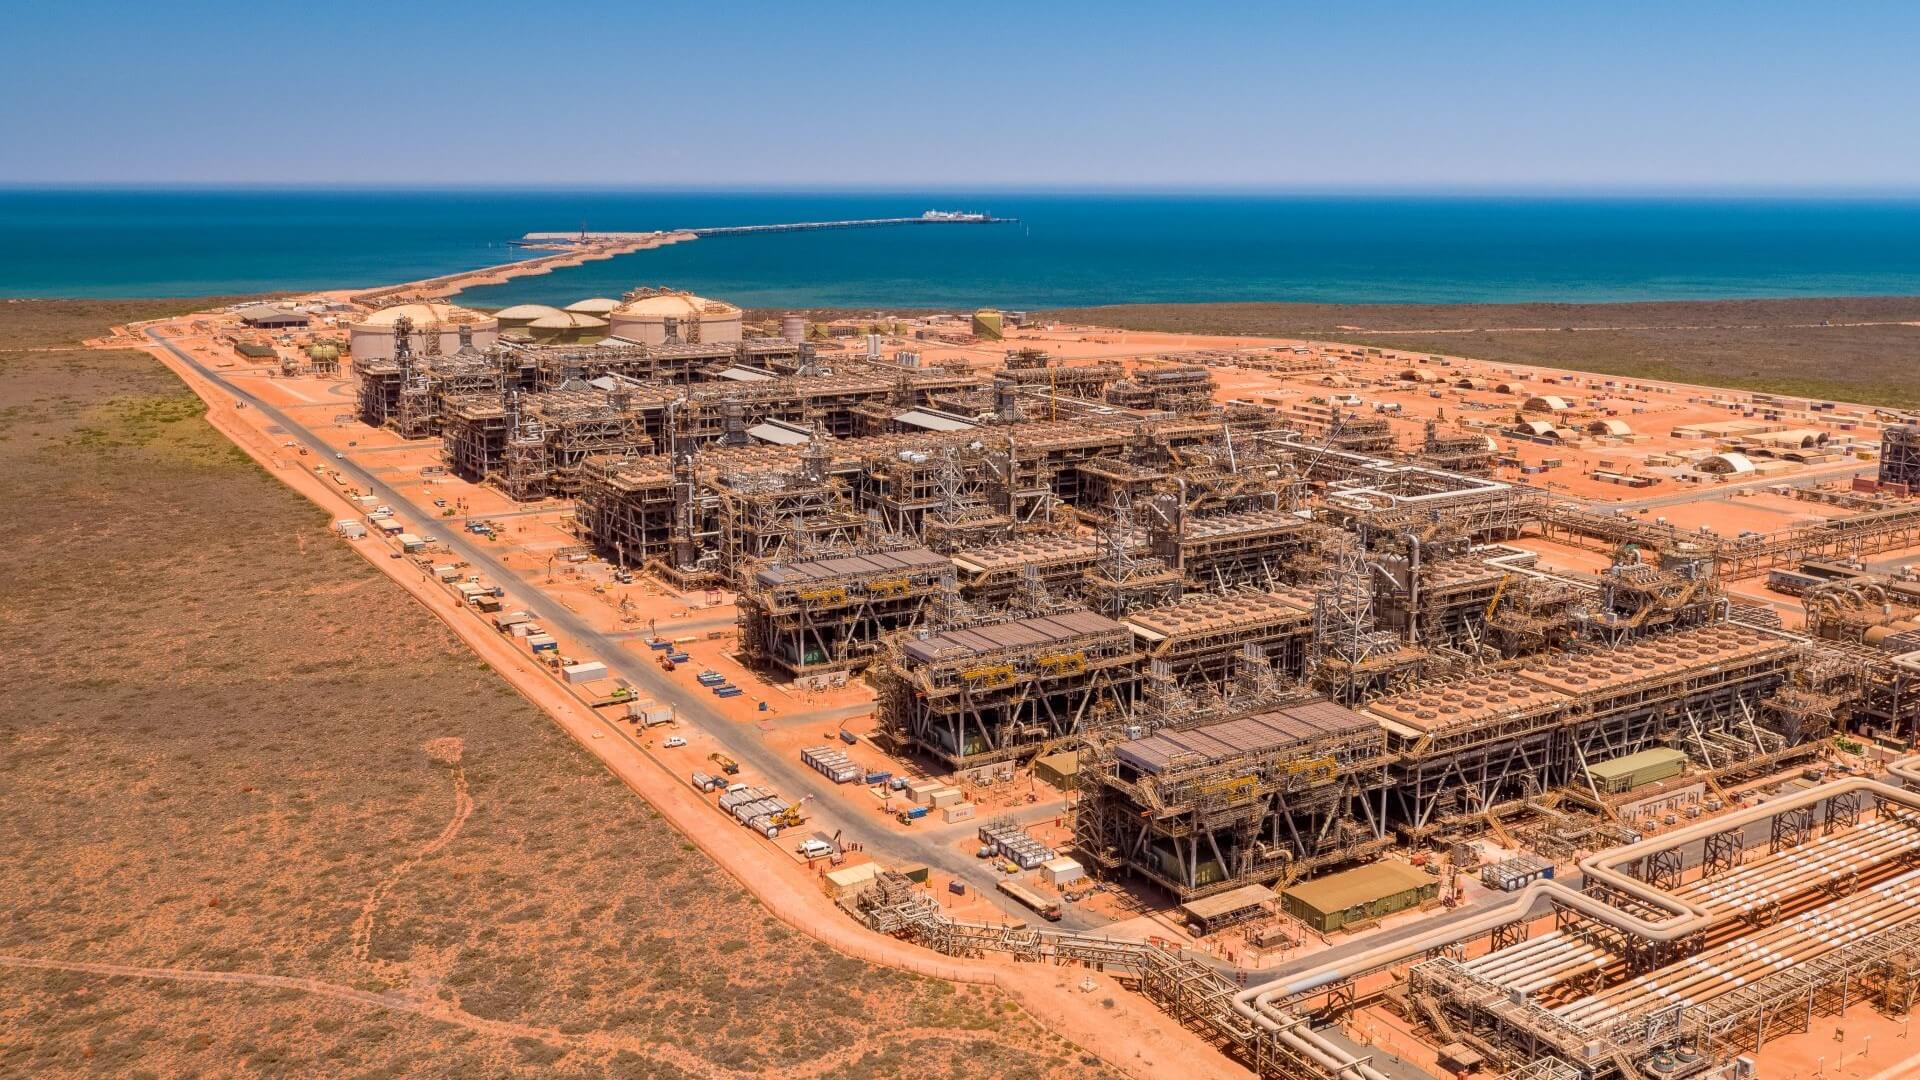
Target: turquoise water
1067	250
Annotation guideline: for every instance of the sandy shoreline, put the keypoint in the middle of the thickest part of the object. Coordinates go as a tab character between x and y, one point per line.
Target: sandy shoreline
436	288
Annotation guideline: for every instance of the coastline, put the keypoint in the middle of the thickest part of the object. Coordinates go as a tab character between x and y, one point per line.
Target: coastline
595	250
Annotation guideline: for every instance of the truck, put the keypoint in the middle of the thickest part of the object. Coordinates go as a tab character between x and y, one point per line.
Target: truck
1045	908
727	764
911	814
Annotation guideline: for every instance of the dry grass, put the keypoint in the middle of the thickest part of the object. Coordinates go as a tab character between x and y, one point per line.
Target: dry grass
221	731
1866	351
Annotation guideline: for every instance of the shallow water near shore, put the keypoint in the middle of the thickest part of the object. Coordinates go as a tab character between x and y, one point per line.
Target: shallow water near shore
1066	250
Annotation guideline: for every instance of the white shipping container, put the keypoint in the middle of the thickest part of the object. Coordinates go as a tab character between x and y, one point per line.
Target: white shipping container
584	672
958	812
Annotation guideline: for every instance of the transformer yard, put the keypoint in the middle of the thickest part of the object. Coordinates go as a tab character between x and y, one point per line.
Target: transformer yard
1374	715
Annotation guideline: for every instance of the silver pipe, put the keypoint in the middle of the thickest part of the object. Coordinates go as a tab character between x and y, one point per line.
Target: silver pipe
1685	917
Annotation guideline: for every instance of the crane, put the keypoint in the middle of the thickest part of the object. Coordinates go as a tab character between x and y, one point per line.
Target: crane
1499	591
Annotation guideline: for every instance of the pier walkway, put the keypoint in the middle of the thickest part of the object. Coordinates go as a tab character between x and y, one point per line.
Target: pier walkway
586	237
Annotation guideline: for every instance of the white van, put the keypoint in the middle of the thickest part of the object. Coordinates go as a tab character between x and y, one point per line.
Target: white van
814	849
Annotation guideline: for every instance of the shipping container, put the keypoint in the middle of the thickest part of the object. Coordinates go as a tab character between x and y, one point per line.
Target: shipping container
1509	875
831	763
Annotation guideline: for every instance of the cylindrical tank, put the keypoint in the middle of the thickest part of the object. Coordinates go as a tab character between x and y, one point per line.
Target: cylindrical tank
521	316
659	317
566	328
597	306
794	328
444	325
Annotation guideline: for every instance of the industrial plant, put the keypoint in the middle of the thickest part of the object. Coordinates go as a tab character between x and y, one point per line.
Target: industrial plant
1294	664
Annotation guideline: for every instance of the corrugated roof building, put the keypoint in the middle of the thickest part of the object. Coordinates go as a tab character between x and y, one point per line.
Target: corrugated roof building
1360	895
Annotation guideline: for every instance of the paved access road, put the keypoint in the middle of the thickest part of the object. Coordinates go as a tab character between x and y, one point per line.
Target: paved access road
793	779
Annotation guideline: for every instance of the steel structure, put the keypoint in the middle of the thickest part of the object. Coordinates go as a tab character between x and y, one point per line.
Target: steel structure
1201	637
1263	797
809	616
1900	456
997	691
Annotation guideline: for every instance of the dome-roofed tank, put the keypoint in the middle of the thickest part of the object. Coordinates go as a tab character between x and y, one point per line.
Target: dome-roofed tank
567	328
522	315
597	306
661	316
435	326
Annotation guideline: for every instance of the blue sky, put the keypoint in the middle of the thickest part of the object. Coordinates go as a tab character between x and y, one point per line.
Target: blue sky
1325	96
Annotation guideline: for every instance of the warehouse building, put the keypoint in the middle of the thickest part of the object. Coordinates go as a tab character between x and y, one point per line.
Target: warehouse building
1637	770
1360	895
268	317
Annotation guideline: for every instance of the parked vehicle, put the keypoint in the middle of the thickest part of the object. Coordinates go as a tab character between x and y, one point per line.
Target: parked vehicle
1047	909
672	741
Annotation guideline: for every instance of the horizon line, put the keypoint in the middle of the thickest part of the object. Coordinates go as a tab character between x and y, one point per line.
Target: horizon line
1221	190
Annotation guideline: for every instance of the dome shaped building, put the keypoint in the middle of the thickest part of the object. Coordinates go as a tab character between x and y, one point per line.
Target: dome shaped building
434	326
662	316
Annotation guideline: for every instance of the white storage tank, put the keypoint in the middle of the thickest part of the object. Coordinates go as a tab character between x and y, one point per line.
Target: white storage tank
566	328
520	316
653	316
449	326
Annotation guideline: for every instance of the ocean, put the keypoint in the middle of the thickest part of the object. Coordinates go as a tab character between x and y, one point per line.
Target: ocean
1066	250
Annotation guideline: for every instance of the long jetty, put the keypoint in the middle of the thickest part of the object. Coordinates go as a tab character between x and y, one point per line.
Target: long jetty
585	237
